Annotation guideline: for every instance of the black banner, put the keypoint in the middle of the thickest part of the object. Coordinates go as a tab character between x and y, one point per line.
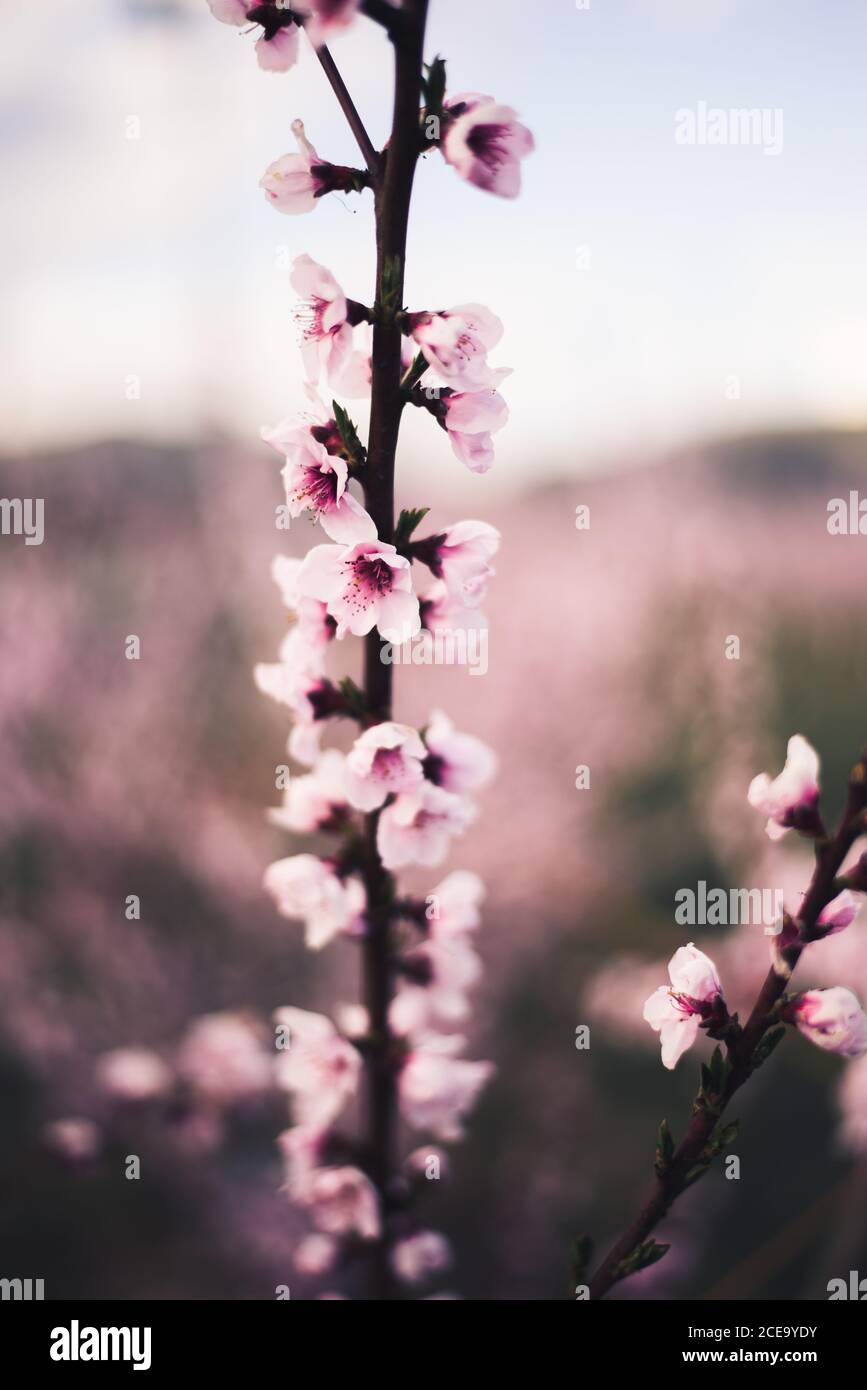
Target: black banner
160	1340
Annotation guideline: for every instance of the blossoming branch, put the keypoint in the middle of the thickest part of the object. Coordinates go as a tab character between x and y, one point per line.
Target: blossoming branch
400	795
694	1002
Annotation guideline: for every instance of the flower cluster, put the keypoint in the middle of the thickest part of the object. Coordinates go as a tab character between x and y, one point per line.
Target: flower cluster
831	1018
694	1002
277	47
479	137
450	377
398	795
418	784
221	1065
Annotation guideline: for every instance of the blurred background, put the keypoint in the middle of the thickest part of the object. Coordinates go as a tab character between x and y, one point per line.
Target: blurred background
686	326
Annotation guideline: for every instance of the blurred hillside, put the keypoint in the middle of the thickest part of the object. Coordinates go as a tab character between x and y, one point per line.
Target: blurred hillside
151	777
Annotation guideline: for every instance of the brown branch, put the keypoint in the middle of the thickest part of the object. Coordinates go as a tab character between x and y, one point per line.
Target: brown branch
383	13
741	1044
348	107
392	199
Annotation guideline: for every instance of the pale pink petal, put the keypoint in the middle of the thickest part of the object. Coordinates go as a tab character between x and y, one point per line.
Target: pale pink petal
279	53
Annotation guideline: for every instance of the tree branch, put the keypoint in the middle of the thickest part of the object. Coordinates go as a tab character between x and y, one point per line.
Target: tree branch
347	106
741	1045
392	198
385	14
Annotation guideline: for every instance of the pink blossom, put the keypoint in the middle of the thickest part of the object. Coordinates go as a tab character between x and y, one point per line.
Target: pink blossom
302	1151
365	586
839	914
437	1089
462	559
222	1057
385	759
316	420
445	965
278	53
306	887
456	342
353	1020
353	379
296	680
448	968
329	18
420	1255
277	49
319	1068
485	143
315	800
458	762
417	826
303	743
74	1138
315	474
343	1201
790	799
315	1254
442	612
315	479
326	336
133	1073
832	1019
676	1012
453	906
230	11
312	618
471	418
291	182
297	673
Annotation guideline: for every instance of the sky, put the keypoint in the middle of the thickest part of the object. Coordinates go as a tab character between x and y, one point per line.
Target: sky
654	293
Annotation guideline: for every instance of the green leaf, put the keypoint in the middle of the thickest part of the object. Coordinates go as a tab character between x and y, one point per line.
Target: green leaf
349	434
664	1149
407	522
414	373
713	1082
354	698
433	85
725	1136
389	287
652	1252
642	1257
719	1141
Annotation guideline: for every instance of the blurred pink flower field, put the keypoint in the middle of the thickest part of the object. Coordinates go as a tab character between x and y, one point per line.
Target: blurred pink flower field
151	778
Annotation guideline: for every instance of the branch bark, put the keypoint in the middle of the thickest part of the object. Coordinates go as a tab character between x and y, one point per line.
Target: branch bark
348	107
393	192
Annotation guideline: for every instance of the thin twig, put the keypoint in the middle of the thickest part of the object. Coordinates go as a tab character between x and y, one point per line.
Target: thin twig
347	106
